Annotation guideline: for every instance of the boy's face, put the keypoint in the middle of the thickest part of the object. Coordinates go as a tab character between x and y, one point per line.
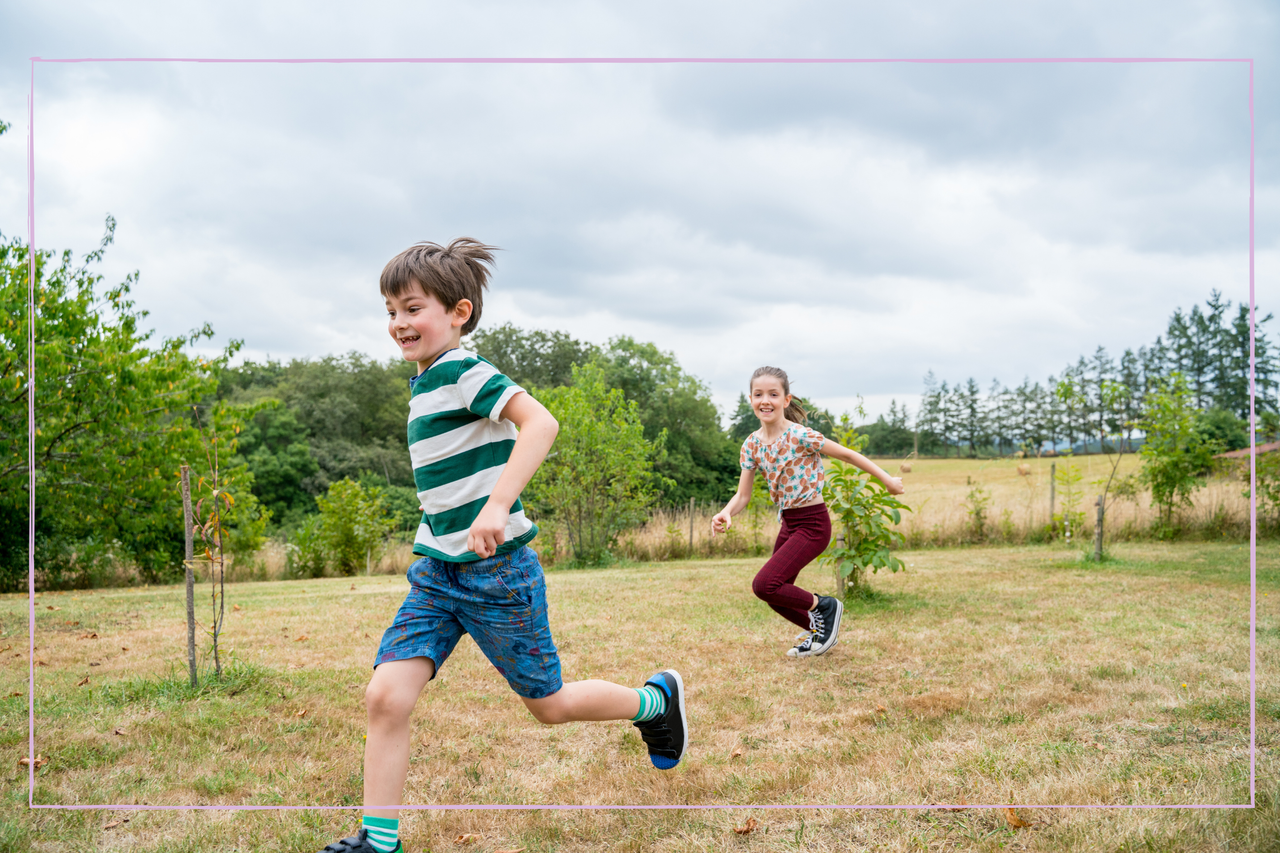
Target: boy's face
422	327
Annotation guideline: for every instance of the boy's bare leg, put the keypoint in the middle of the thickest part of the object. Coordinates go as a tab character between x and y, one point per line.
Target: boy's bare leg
389	699
583	700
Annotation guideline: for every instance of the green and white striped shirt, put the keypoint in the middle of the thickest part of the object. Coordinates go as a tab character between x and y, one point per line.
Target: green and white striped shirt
459	446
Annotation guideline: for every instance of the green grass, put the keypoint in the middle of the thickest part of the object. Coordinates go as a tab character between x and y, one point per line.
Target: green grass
980	675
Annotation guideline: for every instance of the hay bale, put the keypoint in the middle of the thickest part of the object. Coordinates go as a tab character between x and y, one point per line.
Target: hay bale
1024	470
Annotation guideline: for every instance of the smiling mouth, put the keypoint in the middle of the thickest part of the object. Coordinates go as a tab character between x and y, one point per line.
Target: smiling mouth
409	341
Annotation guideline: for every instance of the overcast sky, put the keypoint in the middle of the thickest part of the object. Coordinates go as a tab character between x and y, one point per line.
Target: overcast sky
856	224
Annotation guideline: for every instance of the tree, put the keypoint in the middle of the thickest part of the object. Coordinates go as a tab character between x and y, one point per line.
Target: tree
865	512
112	414
1175	453
532	359
598	477
699	460
744	421
274	446
353	525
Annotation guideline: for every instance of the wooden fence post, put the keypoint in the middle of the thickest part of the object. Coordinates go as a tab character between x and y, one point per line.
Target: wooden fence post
691	528
1053	484
840	580
1097	533
191	579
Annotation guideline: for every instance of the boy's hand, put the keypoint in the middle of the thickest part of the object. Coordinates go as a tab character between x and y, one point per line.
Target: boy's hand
894	486
720	522
488	531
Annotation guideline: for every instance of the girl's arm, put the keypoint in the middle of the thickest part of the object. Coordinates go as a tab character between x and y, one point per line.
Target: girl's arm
736	504
844	454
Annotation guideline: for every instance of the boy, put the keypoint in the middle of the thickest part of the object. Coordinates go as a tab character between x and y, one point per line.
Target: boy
475	574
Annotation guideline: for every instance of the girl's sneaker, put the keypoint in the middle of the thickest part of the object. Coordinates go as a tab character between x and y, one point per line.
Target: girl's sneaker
826	624
803	642
667	736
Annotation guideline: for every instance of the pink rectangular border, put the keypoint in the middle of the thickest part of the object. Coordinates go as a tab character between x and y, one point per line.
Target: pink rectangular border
31	389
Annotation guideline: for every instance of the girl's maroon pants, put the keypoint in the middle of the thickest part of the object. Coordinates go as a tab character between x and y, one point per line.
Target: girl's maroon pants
805	533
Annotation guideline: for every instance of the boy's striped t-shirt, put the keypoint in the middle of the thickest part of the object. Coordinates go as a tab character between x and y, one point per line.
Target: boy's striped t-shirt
459	446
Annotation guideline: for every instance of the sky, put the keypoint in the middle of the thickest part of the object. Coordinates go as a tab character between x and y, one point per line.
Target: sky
856	224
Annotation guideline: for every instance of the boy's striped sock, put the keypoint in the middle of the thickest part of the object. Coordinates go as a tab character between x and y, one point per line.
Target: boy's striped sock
653	704
383	832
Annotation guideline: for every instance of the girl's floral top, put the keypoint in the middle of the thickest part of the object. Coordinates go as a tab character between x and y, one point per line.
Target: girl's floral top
791	464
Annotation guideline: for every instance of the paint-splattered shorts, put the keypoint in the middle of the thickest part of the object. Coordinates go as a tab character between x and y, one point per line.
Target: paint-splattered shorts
500	601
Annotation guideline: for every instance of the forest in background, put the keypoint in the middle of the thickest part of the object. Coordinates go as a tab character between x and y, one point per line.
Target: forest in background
119	412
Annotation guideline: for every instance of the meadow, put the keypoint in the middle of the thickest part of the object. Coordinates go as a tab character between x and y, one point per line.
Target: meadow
983	675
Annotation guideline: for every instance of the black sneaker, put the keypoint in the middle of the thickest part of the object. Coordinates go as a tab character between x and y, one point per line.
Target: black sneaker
804	642
826	624
358	843
667	736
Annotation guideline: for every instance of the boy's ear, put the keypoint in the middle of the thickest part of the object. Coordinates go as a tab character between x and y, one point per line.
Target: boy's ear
461	312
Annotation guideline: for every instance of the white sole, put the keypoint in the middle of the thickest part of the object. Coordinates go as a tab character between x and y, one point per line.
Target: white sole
684	721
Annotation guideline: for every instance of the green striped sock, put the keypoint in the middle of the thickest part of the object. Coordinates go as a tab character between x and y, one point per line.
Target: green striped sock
384	832
653	703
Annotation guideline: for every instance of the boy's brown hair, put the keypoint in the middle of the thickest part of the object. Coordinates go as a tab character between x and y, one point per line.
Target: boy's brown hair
449	273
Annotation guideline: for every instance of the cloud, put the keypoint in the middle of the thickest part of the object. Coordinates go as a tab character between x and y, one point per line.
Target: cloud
859	224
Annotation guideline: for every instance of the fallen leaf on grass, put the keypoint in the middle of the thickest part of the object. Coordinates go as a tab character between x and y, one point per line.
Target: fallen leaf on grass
16	693
511	850
25	761
300	639
82	682
235	607
51	607
353	586
116	823
94	663
124	648
960	806
302	713
749	828
1011	817
72	624
467	838
6	648
121	732
735	753
89	636
880	709
41	663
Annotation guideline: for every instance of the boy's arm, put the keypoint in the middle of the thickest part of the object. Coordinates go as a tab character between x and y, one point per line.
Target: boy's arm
844	454
538	429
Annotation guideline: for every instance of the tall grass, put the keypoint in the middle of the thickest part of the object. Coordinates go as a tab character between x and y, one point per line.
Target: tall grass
953	501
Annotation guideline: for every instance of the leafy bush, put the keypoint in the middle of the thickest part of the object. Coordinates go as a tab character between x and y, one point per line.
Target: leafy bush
353	525
598	477
866	513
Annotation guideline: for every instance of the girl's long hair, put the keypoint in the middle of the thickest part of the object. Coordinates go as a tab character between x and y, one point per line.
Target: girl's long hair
794	411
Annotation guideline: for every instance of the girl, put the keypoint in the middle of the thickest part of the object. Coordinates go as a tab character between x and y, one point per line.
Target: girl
788	454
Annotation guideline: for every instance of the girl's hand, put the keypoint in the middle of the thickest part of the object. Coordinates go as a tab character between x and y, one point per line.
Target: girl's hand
720	522
894	486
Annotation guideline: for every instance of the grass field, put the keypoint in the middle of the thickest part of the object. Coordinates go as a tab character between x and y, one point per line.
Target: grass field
979	676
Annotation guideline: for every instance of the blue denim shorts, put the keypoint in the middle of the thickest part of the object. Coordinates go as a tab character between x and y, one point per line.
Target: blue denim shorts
500	601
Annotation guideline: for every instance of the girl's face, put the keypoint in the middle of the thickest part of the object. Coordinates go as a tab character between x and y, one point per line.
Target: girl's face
768	400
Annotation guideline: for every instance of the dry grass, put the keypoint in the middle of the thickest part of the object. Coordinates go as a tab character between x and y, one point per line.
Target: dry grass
978	676
938	492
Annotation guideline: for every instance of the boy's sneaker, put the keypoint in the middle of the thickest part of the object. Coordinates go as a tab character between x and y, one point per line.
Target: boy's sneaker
358	843
667	736
803	643
825	619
